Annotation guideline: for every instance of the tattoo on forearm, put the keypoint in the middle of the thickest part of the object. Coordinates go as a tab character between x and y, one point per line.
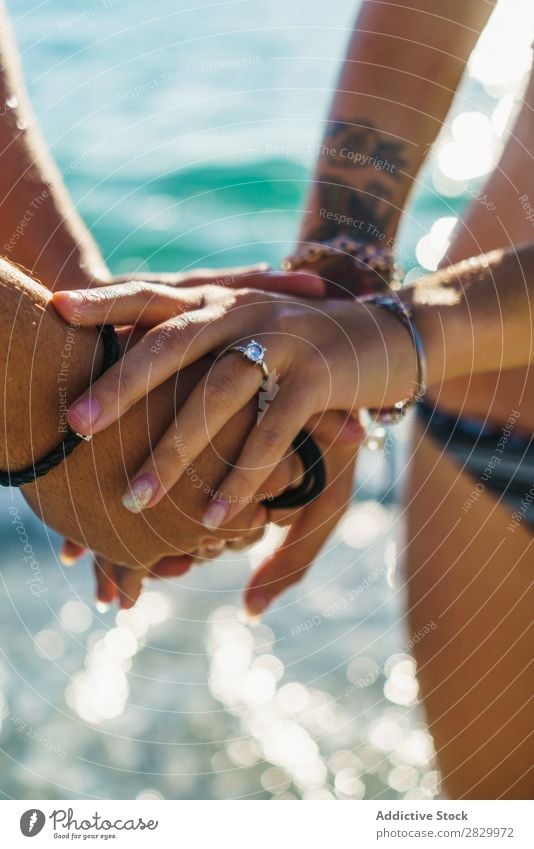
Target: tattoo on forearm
364	213
364	146
343	204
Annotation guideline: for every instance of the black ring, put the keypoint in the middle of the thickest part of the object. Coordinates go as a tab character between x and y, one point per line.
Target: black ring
67	446
314	476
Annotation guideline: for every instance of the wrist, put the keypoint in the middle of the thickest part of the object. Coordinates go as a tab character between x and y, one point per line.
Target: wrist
349	267
57	262
381	366
42	233
46	364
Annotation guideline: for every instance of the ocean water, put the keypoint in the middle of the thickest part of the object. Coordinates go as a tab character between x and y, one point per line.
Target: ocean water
186	133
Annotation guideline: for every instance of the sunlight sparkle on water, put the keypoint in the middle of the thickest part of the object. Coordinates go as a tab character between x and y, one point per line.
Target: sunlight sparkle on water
503	54
75	616
431	248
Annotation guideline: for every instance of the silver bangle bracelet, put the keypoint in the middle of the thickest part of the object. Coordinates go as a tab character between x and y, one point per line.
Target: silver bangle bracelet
393	415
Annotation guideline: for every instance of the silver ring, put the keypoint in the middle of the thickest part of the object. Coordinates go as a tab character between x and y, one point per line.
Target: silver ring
254	352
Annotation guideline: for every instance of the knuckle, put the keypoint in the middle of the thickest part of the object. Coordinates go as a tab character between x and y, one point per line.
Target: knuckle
299	393
316	361
118	386
126	384
278	480
245	294
166	459
242	488
142	288
284	324
176	334
219	391
270	439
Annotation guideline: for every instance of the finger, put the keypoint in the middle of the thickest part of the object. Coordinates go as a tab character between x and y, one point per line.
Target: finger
264	448
129	585
333	428
225	389
230	277
287	475
306	283
70	552
301	546
213	401
106	580
171	567
149	303
137	302
255	532
159	354
336	426
196	277
210	550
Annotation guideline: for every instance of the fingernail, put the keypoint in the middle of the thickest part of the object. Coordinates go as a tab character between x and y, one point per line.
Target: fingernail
70	553
140	494
250	619
212	550
66	559
84	414
257	602
216	514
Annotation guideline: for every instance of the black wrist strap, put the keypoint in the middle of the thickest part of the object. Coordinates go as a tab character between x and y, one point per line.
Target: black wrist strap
61	452
314	476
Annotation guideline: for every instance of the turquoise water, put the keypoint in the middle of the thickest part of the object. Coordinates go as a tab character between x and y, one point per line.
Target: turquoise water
186	136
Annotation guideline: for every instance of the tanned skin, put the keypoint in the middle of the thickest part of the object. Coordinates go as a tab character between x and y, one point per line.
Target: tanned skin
80	498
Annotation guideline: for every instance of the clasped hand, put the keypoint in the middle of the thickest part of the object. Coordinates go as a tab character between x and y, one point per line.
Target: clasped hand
325	355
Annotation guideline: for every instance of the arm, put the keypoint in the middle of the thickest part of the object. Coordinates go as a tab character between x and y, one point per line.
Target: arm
402	67
39	227
473	317
401	71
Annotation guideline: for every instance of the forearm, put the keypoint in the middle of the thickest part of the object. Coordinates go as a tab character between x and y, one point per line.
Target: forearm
474	317
401	71
39	227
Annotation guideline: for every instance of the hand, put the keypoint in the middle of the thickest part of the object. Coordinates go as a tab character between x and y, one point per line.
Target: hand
339	437
346	366
259	276
114	587
122	584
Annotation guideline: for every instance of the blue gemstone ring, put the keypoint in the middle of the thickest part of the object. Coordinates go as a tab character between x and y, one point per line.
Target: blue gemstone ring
254	352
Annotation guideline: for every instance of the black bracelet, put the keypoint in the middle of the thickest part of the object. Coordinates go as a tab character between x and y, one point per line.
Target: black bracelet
314	476
67	446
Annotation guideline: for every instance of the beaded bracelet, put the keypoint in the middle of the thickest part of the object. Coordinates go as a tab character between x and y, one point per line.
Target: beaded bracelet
349	268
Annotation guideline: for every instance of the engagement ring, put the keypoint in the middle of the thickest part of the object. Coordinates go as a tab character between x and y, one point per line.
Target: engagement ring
254	352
